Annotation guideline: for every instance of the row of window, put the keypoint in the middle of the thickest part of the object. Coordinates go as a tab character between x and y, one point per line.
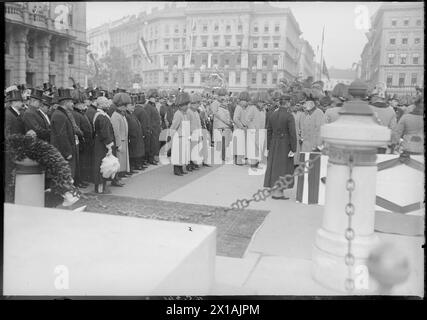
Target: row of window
203	78
417	40
216	28
403	58
216	44
405	22
401	79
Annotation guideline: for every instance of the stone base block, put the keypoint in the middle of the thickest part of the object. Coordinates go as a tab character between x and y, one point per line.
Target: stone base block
62	253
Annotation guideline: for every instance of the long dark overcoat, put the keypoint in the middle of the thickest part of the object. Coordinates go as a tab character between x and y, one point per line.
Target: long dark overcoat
85	146
143	118
63	136
34	120
154	118
136	136
281	138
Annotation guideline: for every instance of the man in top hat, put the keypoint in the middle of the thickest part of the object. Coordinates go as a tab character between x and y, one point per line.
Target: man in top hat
281	146
63	134
36	121
85	140
154	117
14	108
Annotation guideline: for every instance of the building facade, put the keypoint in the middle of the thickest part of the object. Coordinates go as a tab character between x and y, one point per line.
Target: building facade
45	42
394	54
345	76
249	45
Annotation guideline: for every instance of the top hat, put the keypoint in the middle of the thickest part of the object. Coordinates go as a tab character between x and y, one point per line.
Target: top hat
36	93
65	94
13	95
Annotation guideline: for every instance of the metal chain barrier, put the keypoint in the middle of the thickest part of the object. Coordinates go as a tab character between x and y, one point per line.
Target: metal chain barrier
349	232
281	184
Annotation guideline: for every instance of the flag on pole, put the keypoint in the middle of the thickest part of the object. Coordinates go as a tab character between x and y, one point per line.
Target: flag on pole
193	28
325	69
143	47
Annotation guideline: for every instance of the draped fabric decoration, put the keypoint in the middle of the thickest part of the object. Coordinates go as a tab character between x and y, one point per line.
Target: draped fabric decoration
143	46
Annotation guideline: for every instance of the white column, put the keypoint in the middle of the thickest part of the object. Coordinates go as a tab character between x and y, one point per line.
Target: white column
354	135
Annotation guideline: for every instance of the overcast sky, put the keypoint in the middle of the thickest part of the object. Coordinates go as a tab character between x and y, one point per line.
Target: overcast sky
343	42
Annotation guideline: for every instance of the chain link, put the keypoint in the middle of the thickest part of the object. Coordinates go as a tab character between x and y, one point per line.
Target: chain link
349	233
281	184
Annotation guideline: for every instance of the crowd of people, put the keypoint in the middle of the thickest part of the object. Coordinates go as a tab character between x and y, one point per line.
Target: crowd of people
141	129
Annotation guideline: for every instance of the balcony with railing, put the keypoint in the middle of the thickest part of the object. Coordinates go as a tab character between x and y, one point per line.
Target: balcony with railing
14	11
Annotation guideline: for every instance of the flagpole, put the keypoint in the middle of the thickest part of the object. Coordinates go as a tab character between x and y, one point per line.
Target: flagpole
321	53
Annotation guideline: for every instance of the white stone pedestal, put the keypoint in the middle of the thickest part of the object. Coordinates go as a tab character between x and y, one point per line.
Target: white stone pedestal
63	253
29	184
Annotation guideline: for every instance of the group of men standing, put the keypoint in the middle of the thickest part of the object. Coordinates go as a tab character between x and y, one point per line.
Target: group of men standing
194	130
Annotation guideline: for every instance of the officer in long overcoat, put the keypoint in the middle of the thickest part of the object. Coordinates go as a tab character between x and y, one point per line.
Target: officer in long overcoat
281	140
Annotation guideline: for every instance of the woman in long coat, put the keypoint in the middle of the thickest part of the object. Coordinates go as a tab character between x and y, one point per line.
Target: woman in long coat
136	139
121	131
103	143
180	132
309	124
281	138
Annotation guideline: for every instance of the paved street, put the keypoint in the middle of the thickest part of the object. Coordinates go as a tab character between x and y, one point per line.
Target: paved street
278	259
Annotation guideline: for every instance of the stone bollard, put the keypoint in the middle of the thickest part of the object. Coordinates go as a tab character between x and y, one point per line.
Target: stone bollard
346	237
29	183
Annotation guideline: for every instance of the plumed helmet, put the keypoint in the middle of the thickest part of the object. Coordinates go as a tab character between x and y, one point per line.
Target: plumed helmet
121	99
182	98
195	98
152	93
244	96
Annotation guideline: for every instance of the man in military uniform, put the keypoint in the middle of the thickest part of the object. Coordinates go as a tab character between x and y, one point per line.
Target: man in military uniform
35	120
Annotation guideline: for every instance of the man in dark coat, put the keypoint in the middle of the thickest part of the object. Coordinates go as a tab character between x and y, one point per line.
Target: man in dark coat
154	118
85	141
14	123
63	136
143	118
91	106
35	120
136	139
281	146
